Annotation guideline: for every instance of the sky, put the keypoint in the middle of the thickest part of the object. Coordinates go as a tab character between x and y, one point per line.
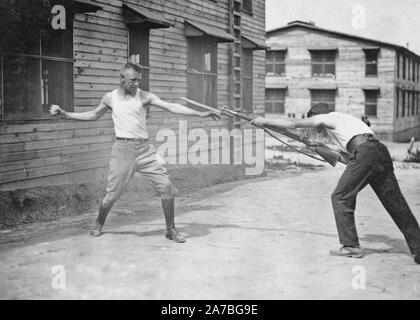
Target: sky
394	21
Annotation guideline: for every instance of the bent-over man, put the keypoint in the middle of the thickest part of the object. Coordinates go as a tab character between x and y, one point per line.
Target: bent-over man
369	163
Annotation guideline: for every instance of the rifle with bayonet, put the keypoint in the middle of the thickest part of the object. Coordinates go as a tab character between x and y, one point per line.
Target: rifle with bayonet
326	153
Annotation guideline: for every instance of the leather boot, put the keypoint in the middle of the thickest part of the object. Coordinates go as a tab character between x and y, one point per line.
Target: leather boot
100	221
168	206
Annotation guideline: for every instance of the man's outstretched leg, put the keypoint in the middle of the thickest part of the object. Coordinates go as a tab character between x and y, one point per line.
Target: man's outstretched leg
389	193
157	175
121	169
343	200
168	206
104	209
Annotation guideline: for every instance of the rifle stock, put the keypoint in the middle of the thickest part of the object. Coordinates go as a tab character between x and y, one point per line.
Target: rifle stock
328	155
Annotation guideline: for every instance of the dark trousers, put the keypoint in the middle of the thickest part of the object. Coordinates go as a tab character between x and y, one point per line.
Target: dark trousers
371	164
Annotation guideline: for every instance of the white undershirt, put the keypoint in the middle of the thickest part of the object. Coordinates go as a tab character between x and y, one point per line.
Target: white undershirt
346	127
129	116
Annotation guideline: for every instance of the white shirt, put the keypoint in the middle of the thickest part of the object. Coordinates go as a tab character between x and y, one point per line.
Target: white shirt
346	127
129	116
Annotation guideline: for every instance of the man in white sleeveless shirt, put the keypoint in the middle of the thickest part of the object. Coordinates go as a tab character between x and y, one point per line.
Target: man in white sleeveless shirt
369	163
132	151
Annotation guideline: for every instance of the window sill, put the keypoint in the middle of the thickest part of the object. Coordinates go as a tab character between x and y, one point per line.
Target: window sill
276	75
324	76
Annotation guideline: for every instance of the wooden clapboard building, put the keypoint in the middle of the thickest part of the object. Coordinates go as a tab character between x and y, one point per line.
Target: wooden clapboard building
364	77
209	51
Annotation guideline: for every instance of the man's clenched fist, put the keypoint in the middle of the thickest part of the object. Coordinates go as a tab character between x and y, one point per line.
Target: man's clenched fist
55	110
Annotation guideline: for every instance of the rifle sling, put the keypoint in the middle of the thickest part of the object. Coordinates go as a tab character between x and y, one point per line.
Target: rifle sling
291	147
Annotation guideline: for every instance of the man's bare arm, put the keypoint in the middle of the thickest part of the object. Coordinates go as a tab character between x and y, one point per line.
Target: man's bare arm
178	109
311	122
84	116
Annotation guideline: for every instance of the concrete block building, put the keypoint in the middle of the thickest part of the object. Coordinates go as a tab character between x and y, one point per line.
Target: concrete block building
307	64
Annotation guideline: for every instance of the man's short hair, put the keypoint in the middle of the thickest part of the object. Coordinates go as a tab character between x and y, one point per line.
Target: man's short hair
319	108
134	66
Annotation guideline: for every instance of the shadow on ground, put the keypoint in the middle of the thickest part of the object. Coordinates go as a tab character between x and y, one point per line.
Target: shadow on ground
396	245
193	230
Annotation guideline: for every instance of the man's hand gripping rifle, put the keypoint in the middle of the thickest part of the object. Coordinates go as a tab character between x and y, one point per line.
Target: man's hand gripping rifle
326	153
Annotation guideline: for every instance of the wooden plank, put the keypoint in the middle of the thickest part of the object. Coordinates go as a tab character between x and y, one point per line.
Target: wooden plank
47	144
62	134
98	21
100	43
99	35
102	28
49	126
84	48
81	78
100	57
18	175
93	86
97	65
99	73
7	158
45	162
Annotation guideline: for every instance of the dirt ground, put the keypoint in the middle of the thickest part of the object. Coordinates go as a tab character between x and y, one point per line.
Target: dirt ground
266	238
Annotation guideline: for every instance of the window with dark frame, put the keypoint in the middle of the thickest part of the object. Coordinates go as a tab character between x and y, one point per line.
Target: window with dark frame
323	96
413	103
202	70
37	70
138	52
247	76
398	103
275	63
408	69
275	100
418	72
371	102
323	62
371	56
404	68
247	6
417	102
403	103
412	70
408	103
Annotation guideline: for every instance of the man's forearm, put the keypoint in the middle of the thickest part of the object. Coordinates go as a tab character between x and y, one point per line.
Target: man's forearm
281	123
184	111
83	116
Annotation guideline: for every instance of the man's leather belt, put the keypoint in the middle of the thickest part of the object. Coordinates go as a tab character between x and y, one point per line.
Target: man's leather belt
132	139
358	140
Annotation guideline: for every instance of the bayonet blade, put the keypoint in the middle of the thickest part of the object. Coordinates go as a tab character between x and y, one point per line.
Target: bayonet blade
204	106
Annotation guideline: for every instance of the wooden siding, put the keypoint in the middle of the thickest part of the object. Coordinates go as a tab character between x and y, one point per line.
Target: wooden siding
253	27
53	151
